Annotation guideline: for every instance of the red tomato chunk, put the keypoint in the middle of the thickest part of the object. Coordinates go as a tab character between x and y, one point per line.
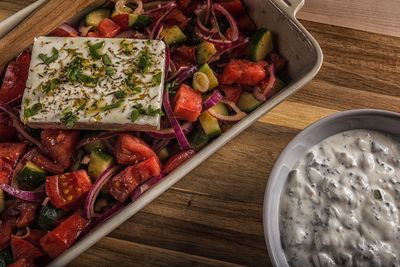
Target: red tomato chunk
63	236
66	191
60	144
124	183
23	249
9	155
22	263
187	103
108	28
131	150
243	72
15	78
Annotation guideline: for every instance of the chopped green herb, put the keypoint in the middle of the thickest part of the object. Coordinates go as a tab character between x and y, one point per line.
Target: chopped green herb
93	50
171	86
127	47
157	78
134	115
144	62
377	194
33	110
120	94
113	105
74	68
109	71
106	60
152	112
49	59
87	80
50	86
68	118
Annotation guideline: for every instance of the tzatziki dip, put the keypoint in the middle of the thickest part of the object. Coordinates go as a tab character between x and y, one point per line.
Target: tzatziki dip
340	204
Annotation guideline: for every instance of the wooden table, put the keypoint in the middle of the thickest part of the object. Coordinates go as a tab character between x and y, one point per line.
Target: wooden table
213	217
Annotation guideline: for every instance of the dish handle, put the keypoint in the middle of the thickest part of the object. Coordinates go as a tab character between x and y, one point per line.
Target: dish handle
290	7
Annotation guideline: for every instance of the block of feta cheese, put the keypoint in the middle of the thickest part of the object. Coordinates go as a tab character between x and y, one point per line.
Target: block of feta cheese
95	84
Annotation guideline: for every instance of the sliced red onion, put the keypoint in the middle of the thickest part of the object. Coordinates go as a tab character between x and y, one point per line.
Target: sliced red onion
237	117
121	4
169	133
24	133
102	218
145	186
261	94
126	34
45	201
100	136
10	111
185	74
65	30
32	196
157	26
238	44
212	100
22	233
180	135
96	187
233	26
201	26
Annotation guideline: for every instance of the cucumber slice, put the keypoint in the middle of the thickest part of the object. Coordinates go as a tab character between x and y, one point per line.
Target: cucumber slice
247	102
49	216
173	35
260	45
205	51
206	69
96	16
209	124
30	177
198	139
141	22
99	162
220	108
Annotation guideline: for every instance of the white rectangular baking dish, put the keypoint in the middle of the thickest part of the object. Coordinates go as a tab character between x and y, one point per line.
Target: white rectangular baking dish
305	59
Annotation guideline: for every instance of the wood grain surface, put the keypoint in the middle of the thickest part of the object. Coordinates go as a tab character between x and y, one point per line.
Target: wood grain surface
213	217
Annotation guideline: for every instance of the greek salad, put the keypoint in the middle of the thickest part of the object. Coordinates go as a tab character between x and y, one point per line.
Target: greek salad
97	113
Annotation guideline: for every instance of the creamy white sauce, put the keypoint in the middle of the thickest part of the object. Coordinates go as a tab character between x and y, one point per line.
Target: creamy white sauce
340	205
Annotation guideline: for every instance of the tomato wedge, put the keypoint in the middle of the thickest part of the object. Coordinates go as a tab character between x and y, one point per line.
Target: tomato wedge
177	160
15	78
131	150
60	144
187	103
108	28
231	93
125	182
23	249
122	20
9	155
243	72
184	56
67	190
34	237
63	236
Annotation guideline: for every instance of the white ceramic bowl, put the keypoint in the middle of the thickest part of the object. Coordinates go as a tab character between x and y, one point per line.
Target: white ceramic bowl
295	43
379	120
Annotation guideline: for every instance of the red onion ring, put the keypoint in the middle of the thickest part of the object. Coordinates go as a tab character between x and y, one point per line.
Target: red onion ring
157	28
94	191
261	94
31	196
84	30
185	74
158	6
212	100
237	117
239	43
232	23
180	136
159	144
169	133
202	28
